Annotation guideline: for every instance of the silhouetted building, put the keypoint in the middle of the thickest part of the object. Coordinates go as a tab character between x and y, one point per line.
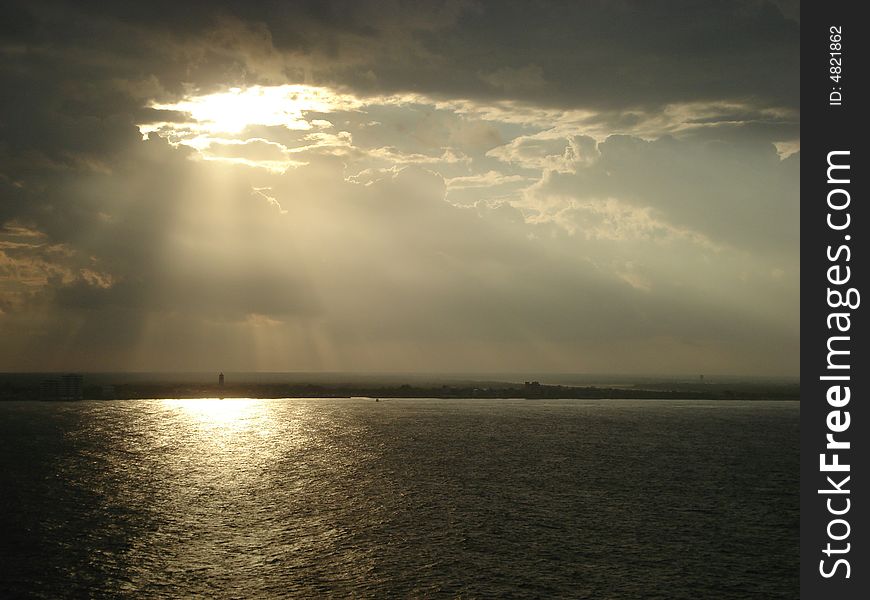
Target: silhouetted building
221	379
71	387
68	387
533	388
49	389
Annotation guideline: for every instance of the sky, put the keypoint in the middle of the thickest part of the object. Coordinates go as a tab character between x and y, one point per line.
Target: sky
463	186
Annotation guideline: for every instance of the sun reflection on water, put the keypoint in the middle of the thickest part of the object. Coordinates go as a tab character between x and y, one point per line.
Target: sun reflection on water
235	414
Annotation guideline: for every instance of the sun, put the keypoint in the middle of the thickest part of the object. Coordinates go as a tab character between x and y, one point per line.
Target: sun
229	125
231	111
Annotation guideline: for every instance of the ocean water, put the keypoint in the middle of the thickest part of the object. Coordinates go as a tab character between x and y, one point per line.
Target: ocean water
405	498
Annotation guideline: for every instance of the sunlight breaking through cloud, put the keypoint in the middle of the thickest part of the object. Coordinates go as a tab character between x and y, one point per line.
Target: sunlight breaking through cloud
405	187
233	110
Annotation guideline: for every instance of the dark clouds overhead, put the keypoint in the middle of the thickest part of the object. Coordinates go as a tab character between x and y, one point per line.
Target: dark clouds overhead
600	54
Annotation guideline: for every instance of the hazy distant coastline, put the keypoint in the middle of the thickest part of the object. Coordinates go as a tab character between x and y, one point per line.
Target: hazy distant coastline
27	387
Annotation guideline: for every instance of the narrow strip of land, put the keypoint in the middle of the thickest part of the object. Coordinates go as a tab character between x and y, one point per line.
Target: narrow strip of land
533	389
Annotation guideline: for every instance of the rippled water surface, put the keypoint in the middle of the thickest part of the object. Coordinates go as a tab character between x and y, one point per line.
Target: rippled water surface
400	498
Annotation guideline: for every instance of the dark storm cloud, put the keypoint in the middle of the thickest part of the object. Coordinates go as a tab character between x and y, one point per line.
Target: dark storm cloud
600	54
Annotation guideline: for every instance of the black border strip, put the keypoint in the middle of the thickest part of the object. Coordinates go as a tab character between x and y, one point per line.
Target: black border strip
831	123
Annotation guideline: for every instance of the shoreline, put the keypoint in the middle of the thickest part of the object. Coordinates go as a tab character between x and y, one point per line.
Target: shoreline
500	391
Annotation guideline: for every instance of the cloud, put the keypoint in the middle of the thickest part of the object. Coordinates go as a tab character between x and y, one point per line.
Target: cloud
596	54
742	195
255	152
488	179
547	151
510	79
